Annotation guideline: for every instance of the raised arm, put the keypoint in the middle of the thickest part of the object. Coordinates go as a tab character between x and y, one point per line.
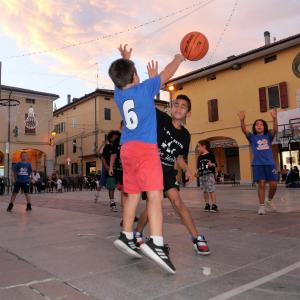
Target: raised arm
126	54
242	117
275	123
171	69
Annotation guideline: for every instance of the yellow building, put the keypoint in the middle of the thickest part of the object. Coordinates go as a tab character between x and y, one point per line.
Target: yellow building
254	82
80	128
15	136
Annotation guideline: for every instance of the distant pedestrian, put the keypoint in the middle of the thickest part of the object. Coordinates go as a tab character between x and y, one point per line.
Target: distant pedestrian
263	164
59	185
21	172
284	173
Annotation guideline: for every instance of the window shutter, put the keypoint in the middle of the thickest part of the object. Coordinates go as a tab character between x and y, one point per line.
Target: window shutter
213	112
284	103
262	99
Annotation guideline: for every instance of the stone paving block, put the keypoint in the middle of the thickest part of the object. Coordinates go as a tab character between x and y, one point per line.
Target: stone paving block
59	290
20	293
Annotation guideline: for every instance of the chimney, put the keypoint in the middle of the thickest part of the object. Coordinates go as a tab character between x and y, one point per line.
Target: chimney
69	98
267	38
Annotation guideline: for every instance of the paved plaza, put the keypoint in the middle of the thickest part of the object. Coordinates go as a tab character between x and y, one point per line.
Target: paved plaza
63	250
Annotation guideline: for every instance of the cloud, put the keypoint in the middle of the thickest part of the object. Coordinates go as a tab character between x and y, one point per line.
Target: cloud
39	25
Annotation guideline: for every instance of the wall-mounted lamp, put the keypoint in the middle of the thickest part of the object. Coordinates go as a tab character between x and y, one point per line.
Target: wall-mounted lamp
53	134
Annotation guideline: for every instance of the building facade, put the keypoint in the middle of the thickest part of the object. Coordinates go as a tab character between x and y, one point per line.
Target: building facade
19	132
81	127
254	82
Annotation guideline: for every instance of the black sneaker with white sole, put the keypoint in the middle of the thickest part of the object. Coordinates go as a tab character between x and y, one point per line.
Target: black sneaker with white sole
10	207
159	254
127	246
214	208
28	207
113	206
207	207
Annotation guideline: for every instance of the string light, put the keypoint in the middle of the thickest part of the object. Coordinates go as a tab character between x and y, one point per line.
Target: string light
106	36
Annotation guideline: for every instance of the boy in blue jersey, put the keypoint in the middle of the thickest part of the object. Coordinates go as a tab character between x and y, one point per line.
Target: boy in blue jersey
21	171
142	169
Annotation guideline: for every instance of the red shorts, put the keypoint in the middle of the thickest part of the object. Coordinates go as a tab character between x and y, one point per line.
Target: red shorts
142	170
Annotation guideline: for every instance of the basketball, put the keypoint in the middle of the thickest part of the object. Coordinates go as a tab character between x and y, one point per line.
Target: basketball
194	46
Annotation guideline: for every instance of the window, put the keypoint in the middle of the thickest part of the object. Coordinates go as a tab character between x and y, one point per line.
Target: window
74	123
74	144
107	114
74	168
270	58
213	113
29	131
211	77
59	149
62	169
106	98
273	96
60	127
30	100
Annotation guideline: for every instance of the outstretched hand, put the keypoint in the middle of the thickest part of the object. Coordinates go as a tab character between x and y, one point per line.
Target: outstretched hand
152	68
242	115
189	176
274	113
126	54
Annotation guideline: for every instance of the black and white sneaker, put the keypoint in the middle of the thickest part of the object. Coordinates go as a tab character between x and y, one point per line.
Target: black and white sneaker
159	254
207	207
113	206
129	247
10	207
214	208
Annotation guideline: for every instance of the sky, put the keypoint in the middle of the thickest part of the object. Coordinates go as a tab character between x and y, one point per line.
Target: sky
59	46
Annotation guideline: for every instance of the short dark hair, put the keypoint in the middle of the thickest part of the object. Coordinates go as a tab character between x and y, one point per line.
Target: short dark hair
121	72
187	100
205	143
113	133
265	124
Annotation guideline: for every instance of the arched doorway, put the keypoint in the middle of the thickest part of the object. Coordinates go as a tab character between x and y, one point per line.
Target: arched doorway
227	155
2	164
36	157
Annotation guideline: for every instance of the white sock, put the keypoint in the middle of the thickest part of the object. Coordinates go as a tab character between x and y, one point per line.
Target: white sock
129	235
157	240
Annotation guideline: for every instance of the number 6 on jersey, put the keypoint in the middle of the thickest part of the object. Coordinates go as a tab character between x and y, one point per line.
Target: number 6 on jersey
131	118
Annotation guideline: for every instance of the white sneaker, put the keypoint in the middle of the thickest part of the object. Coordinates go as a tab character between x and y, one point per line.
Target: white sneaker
270	205
262	210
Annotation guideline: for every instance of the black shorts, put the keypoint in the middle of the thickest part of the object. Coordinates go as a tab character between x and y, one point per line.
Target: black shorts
119	176
170	181
24	186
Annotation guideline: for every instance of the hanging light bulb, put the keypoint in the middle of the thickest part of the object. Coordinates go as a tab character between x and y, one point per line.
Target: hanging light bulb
31	121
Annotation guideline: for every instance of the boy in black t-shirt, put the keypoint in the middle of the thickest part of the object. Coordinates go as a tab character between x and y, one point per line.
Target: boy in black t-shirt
206	171
110	180
173	141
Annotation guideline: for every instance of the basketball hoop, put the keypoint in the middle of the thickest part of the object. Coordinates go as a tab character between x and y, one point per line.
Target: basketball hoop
31	121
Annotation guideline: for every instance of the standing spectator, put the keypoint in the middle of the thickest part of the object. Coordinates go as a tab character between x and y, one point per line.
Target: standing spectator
206	171
110	180
59	185
284	173
35	183
293	179
21	172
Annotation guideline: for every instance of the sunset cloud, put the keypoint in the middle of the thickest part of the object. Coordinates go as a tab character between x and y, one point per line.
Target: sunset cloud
39	25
